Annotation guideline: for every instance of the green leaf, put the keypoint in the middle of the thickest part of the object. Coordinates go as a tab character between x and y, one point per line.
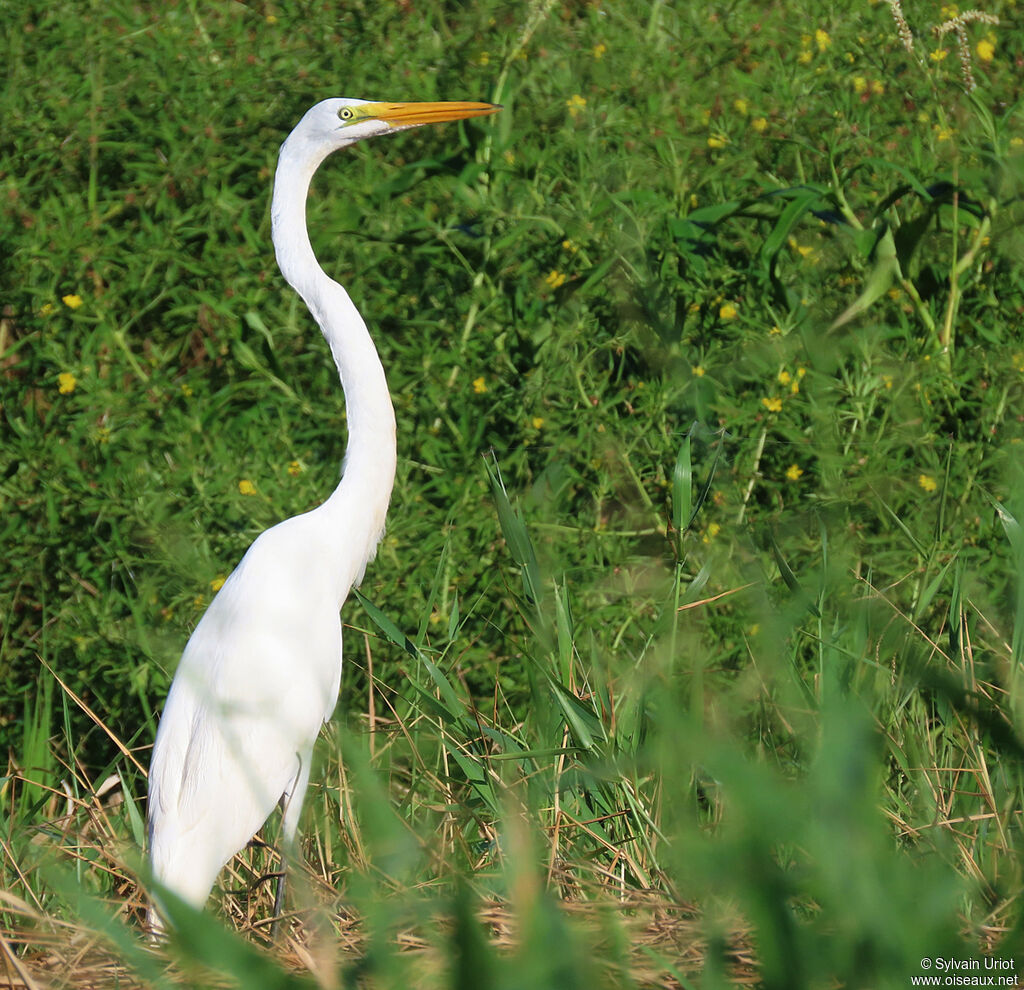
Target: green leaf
791	579
788	219
517	538
885	270
135	819
682	486
584	725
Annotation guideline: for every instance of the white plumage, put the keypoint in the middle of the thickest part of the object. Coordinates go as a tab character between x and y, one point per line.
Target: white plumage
260	673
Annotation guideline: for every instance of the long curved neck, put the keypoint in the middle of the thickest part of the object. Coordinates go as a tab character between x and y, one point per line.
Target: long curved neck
359	503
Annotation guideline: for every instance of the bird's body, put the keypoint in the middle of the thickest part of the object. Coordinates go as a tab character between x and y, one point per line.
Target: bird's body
261	672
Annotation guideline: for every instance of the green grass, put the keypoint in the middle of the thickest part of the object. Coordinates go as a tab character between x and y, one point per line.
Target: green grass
693	653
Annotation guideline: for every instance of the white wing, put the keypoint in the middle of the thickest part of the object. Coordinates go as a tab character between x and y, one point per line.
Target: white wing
257	679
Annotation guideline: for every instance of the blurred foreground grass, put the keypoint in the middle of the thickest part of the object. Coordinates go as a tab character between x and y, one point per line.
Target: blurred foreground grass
693	653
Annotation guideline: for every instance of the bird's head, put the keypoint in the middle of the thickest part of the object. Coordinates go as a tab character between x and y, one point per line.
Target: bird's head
336	123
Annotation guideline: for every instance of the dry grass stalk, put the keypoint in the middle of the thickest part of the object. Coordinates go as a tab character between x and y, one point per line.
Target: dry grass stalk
41	954
958	25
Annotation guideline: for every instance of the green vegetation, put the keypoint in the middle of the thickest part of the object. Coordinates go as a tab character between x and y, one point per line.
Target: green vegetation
693	654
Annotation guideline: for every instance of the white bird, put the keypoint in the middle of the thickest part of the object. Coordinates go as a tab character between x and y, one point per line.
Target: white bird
261	672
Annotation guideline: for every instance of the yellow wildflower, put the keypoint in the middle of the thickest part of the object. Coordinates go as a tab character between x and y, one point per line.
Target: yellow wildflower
986	50
741	106
860	84
717	140
479	385
772	404
784	377
294	468
794	471
217	583
537	422
599	50
246	487
555	279
712	531
927	482
570	246
72	302
698	371
483	58
938	55
760	124
46	310
66	383
728	312
877	87
575	103
822	39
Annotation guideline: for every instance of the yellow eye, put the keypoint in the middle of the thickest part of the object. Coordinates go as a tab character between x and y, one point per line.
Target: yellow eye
346	113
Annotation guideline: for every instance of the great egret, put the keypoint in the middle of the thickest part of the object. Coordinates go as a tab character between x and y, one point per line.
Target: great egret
261	671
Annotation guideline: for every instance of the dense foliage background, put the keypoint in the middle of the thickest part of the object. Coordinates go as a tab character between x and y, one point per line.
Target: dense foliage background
700	604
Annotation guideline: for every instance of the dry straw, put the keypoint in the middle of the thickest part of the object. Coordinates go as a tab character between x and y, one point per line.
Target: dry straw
958	25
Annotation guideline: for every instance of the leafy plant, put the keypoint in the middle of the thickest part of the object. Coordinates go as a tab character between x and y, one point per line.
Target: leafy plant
692	654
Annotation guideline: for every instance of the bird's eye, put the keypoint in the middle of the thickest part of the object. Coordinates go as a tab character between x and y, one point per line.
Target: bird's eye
345	113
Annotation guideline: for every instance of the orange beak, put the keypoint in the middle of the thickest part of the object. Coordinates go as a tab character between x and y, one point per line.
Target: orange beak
411	114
